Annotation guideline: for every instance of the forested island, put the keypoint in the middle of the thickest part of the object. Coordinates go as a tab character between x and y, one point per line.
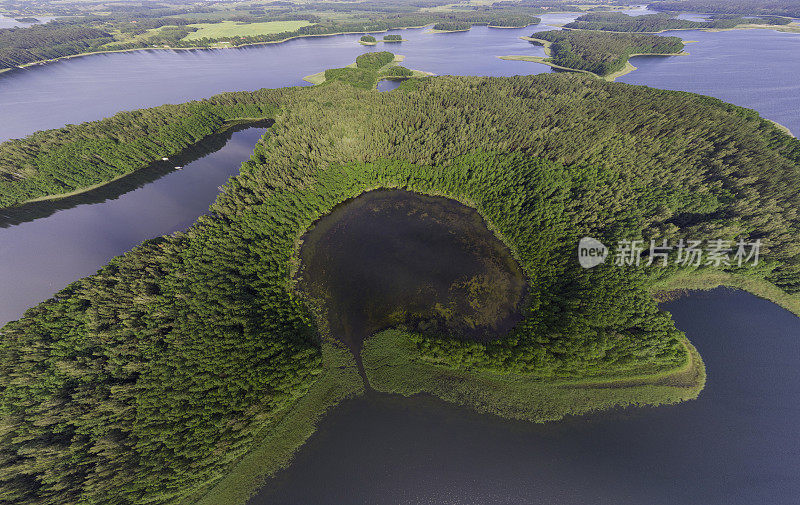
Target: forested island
654	23
368	69
602	54
159	378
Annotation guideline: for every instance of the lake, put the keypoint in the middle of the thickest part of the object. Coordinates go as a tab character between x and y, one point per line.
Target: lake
391	257
736	444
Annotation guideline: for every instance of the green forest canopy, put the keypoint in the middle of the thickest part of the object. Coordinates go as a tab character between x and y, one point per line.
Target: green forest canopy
146	381
651	23
603	53
790	8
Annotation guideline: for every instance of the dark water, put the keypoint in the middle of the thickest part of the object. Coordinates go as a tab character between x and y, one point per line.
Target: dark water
39	257
389	84
391	257
736	444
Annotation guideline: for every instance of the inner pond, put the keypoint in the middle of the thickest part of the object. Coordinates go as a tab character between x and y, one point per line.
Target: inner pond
391	257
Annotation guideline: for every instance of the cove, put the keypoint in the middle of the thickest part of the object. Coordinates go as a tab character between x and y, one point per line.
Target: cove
735	444
392	257
46	245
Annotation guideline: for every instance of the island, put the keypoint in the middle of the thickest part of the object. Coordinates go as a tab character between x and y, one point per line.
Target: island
604	55
188	368
368	69
451	26
367	40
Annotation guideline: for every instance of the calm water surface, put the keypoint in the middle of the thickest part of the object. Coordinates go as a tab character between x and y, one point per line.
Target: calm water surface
736	444
39	257
758	69
393	256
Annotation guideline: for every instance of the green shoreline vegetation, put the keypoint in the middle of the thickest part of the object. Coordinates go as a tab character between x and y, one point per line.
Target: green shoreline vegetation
185	364
618	22
604	55
786	8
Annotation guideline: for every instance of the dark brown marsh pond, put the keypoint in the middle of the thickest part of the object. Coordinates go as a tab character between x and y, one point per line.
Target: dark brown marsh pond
391	257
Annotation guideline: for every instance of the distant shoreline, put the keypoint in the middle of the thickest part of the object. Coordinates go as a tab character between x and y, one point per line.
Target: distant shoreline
790	28
198	48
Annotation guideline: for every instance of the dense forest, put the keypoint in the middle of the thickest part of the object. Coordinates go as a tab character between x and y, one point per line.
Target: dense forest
603	53
78	156
452	26
651	23
790	8
19	46
368	70
146	381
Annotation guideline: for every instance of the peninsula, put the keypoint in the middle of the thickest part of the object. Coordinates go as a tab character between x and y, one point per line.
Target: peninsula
188	368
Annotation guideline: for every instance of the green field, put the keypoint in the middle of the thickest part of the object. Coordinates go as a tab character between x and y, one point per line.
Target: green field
234	29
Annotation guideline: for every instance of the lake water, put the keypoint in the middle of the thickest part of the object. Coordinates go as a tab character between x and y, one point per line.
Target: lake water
758	69
392	257
39	257
736	444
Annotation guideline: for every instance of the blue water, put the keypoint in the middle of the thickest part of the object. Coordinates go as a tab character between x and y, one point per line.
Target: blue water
758	69
39	257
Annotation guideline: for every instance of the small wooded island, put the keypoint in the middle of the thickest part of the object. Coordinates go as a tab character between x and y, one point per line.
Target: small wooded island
368	69
188	368
599	53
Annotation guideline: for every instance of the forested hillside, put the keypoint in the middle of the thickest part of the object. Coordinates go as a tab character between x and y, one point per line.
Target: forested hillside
145	382
789	8
78	156
19	46
652	23
603	53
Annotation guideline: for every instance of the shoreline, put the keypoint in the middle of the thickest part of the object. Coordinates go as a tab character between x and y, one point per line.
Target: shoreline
784	129
227	126
199	48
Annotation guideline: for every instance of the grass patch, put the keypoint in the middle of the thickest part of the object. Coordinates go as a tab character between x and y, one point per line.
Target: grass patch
393	365
279	441
705	280
235	29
